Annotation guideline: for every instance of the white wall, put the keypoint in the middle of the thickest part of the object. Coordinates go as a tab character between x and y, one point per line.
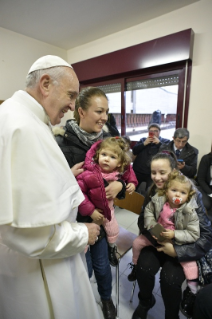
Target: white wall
196	16
17	54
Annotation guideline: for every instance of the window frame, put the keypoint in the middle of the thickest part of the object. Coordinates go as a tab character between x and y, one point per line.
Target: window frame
158	57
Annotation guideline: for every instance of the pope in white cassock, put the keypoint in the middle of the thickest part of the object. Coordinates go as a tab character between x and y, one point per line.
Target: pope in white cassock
42	269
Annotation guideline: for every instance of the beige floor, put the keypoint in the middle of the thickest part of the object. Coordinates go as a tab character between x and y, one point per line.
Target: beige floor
128	220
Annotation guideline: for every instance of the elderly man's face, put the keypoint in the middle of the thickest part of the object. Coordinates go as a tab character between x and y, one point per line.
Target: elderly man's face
62	96
180	142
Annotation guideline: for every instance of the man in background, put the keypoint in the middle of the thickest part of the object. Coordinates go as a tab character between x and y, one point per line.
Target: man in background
185	153
111	126
144	150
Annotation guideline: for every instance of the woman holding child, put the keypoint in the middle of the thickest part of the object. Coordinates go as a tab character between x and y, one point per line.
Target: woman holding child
168	255
91	113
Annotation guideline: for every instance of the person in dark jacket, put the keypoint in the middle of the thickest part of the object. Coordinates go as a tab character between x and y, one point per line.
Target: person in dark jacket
111	125
79	135
185	153
144	150
204	177
168	255
203	303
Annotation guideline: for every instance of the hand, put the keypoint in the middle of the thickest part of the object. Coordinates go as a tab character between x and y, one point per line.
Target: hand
113	189
168	248
148	140
130	188
168	234
93	233
97	217
180	165
155	140
77	169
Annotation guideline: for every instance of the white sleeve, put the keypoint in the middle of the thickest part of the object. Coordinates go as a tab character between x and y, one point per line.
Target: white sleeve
50	242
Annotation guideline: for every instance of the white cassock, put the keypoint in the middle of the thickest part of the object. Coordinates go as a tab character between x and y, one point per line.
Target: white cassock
42	265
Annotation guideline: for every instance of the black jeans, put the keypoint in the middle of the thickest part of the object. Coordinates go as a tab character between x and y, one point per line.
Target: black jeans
171	279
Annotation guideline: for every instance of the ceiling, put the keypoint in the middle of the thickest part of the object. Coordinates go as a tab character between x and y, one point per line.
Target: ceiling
71	23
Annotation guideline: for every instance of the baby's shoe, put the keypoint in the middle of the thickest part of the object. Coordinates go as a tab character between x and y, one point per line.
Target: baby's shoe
132	275
112	255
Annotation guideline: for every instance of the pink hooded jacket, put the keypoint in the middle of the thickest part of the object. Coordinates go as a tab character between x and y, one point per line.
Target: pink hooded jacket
93	188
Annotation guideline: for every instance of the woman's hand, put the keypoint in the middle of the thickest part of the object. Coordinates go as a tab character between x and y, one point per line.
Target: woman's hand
77	169
168	248
97	217
130	188
113	189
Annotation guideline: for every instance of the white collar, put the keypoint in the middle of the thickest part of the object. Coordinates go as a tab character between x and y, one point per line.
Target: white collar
177	149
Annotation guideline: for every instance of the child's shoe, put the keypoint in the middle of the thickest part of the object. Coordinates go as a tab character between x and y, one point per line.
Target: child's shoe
187	303
132	275
112	255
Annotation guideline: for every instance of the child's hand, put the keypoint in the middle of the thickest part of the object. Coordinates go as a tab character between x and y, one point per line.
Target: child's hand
97	217
130	188
168	234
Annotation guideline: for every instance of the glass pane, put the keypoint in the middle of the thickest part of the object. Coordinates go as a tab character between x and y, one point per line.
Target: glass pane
149	101
113	92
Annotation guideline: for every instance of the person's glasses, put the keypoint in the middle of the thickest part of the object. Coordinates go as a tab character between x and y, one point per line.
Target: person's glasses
154	131
181	142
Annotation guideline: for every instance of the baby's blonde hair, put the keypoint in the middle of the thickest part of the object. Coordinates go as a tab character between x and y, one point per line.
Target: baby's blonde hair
119	147
176	176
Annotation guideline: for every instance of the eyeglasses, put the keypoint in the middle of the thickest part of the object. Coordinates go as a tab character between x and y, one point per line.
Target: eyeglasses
182	142
154	131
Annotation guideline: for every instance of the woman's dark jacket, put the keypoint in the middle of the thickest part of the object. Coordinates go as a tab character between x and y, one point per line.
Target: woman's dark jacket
111	124
187	252
204	173
75	151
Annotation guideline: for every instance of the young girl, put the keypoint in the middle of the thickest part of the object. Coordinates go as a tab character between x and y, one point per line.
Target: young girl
106	161
174	208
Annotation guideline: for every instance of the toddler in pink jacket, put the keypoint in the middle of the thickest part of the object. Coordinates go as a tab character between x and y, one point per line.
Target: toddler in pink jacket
106	161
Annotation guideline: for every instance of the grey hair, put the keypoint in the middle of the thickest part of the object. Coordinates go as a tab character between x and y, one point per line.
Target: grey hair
181	132
34	77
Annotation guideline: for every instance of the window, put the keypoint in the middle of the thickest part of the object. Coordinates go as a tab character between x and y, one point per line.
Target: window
146	80
113	92
151	101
